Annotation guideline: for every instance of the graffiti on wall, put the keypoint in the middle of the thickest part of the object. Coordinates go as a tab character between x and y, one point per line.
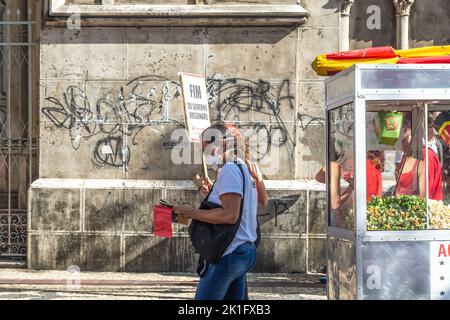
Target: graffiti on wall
115	117
269	106
283	212
236	98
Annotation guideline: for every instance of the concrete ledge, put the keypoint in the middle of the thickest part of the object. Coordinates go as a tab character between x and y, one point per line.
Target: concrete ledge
57	14
164	184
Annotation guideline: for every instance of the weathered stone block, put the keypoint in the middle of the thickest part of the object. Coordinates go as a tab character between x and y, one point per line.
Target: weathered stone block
311	153
233	99
151	254
163	152
137	101
151	1
317	41
74	144
66	156
317	213
59	100
87	53
100	253
311	103
212	2
285	213
257	101
104	210
281	255
273	146
55	209
58	252
323	13
317	250
82	1
164	52
138	209
88	252
252	53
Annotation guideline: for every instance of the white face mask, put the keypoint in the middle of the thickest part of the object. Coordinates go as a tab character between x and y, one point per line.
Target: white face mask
213	161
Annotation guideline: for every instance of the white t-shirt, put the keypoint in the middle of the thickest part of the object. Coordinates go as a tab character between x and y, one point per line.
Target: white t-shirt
229	180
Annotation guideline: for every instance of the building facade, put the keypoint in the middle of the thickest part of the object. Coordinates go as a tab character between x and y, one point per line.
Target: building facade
105	113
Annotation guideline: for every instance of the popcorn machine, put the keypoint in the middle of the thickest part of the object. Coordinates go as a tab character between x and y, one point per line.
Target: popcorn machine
388	182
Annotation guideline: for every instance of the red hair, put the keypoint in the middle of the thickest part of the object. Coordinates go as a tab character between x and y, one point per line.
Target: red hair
240	142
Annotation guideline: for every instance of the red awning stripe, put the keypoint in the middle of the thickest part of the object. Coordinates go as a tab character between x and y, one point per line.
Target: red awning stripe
369	53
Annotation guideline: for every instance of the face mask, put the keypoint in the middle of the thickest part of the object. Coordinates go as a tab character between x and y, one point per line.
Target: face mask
213	161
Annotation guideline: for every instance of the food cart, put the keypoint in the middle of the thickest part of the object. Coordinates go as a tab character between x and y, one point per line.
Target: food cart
388	182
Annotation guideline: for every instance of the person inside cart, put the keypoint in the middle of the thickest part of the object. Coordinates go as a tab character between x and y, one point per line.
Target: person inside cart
411	177
341	200
374	168
340	168
441	134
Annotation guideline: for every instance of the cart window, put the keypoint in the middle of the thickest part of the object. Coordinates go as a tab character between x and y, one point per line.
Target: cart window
341	167
438	166
395	166
405	79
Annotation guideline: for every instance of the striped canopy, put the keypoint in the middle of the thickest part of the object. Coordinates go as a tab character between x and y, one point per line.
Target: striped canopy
331	63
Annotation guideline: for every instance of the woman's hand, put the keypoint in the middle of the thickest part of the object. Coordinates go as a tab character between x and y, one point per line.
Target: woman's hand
254	171
203	184
185	211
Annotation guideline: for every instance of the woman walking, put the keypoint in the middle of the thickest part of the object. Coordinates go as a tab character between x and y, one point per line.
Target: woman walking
234	199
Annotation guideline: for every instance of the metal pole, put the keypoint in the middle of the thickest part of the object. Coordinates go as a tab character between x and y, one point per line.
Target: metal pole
30	113
426	161
18	123
8	132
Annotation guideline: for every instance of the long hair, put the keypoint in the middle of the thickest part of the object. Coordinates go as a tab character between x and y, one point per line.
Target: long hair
377	158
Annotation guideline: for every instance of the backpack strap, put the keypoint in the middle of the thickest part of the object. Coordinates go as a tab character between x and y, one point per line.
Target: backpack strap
243	194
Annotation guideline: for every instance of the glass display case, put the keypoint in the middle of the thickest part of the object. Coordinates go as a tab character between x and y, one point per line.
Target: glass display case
388	182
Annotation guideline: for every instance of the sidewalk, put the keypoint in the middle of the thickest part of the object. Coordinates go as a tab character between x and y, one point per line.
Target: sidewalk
33	284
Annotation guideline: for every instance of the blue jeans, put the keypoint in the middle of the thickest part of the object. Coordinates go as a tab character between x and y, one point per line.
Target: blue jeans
228	279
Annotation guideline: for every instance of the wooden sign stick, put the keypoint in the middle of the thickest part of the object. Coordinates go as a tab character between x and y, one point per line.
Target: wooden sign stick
204	168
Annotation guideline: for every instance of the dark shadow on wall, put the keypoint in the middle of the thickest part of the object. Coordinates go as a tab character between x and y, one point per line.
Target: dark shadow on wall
98	251
360	34
430	21
154	254
363	33
313	137
145	253
317	213
332	4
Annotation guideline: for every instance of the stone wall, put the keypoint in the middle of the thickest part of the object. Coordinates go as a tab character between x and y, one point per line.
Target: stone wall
108	225
110	101
430	23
